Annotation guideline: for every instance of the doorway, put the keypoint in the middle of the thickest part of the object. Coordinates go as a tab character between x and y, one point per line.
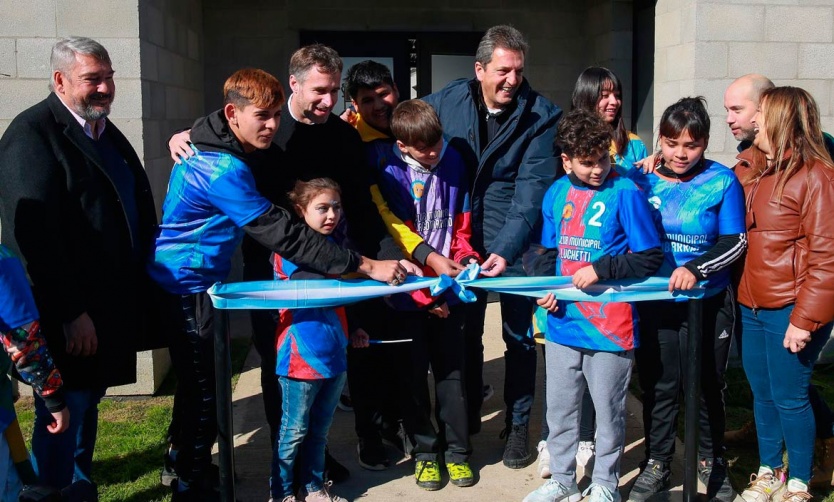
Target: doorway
420	62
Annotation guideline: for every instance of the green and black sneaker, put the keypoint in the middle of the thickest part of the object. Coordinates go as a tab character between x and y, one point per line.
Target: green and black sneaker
427	474
460	474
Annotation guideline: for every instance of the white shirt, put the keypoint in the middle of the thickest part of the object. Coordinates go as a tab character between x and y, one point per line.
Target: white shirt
88	129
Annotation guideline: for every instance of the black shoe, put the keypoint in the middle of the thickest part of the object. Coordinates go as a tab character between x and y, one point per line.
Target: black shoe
372	454
517	454
80	491
333	470
653	479
169	471
713	473
194	494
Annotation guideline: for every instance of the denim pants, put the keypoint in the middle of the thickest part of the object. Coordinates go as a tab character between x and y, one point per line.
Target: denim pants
779	379
62	459
307	411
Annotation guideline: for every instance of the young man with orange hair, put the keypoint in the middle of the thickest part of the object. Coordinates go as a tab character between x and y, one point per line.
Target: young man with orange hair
211	203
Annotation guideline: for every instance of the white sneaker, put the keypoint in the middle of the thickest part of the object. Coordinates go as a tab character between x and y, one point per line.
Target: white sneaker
764	485
585	452
543	466
600	493
554	491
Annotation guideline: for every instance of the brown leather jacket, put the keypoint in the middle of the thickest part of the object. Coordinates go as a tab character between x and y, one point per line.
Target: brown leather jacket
790	253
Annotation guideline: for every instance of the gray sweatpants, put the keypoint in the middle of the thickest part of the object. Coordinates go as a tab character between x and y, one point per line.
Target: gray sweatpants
607	375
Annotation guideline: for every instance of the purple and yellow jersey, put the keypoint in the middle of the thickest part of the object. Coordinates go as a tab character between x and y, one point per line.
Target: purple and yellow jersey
311	343
586	224
692	212
433	203
380	153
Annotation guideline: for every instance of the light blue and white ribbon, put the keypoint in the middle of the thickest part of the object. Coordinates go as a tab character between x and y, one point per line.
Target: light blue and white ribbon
336	292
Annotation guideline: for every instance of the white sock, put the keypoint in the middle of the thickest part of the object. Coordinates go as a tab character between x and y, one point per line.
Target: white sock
795	485
763	469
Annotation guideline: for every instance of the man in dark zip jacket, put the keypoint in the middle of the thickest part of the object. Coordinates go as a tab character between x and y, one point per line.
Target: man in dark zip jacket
506	132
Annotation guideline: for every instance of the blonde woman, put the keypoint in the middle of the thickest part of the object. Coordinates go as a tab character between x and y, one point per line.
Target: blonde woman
786	290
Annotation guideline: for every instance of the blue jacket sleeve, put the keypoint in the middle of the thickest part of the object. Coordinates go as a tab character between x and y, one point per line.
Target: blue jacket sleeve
535	174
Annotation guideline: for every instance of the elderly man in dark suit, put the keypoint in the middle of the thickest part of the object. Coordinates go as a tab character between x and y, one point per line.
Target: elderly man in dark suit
76	206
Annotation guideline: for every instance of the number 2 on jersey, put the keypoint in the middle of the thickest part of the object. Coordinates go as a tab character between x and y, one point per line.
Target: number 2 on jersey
600	210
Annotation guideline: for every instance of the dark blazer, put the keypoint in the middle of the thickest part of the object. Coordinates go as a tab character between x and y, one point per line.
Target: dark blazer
62	215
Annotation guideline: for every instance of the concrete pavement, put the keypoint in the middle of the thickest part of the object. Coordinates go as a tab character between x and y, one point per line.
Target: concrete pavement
495	482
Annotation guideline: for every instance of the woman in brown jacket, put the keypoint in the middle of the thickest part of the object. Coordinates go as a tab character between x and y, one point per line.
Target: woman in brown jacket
786	290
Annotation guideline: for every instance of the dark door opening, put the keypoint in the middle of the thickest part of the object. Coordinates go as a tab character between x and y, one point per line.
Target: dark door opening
420	62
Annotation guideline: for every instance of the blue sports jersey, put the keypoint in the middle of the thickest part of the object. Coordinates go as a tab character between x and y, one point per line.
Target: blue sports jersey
17	307
211	196
692	212
586	224
634	151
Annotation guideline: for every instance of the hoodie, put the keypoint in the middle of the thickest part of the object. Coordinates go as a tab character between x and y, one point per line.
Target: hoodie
212	201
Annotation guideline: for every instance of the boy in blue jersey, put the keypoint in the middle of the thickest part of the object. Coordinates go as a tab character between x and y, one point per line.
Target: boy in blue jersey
212	201
596	226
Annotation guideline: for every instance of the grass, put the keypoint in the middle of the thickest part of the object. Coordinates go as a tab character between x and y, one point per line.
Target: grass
131	438
744	459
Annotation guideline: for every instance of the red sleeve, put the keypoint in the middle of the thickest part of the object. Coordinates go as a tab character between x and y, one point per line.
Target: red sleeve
462	232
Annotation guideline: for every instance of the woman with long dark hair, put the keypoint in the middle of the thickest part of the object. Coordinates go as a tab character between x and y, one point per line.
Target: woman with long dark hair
599	89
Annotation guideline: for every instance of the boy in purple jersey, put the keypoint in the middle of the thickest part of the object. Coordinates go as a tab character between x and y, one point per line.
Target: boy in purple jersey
424	183
596	226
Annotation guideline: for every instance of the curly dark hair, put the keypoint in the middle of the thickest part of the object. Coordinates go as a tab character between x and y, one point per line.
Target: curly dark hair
583	133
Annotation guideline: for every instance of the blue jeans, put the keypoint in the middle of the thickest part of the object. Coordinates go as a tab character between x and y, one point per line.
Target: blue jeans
307	411
779	379
62	459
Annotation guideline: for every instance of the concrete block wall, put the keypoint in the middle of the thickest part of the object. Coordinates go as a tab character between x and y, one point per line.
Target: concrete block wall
609	26
559	45
171	44
27	32
790	41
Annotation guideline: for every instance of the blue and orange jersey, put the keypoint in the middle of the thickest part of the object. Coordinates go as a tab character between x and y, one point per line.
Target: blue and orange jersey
311	343
585	224
692	212
433	203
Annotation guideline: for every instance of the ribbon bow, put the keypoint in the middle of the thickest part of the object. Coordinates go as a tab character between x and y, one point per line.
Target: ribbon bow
458	284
